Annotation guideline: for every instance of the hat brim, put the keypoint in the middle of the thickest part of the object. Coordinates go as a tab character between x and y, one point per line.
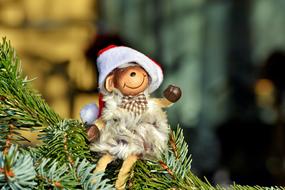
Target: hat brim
118	56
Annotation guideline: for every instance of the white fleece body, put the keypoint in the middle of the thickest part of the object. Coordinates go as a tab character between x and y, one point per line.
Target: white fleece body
127	134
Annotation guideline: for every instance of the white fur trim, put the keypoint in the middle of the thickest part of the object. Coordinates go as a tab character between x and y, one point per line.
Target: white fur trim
126	134
120	55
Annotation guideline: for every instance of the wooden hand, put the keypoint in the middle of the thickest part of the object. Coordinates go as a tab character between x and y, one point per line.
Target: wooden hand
172	93
93	133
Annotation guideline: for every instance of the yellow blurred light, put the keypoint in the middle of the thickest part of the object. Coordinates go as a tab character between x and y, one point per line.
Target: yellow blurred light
264	87
264	90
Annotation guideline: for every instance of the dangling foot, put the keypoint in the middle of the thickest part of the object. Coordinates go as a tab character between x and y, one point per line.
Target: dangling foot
124	172
102	164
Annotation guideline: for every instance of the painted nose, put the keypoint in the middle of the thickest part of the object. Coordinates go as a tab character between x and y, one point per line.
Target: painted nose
133	74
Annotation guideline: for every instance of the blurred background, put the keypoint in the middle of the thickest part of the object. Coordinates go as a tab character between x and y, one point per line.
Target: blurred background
226	55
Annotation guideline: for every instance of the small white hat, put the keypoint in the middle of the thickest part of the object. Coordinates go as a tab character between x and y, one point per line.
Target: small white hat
113	57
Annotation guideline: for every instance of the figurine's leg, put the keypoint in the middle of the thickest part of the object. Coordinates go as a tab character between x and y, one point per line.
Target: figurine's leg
103	162
124	171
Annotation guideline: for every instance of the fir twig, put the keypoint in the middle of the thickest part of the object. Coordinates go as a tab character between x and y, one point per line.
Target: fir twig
68	155
86	178
50	175
16	170
19	103
64	142
173	144
9	135
66	176
8	139
164	166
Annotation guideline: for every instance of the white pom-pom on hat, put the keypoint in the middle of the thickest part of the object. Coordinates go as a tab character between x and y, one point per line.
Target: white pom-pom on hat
89	113
113	57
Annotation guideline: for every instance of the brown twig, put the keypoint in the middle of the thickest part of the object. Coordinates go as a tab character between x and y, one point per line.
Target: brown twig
55	183
173	144
2	98
9	173
8	140
71	161
164	166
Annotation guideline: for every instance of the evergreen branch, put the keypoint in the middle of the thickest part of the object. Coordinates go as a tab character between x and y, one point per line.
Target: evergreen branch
149	175
172	171
177	158
16	170
173	144
70	159
19	104
9	134
65	142
86	178
50	175
66	176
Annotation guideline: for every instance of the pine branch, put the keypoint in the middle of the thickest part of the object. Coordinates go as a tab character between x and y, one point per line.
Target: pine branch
85	176
49	175
172	171
65	142
76	176
19	104
9	135
178	158
16	170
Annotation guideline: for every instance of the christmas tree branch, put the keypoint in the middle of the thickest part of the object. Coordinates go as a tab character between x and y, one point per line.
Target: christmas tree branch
171	171
20	104
16	170
9	134
68	155
86	177
50	175
66	176
65	142
173	144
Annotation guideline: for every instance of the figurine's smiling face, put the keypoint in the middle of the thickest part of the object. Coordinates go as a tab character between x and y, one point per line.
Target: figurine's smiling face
130	80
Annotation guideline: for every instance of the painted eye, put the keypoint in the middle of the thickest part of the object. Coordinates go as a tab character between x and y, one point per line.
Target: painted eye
133	74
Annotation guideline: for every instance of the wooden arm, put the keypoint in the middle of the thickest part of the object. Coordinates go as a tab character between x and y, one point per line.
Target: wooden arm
100	123
163	102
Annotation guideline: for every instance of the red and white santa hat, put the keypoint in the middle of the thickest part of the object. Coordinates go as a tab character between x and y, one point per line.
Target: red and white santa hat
113	57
